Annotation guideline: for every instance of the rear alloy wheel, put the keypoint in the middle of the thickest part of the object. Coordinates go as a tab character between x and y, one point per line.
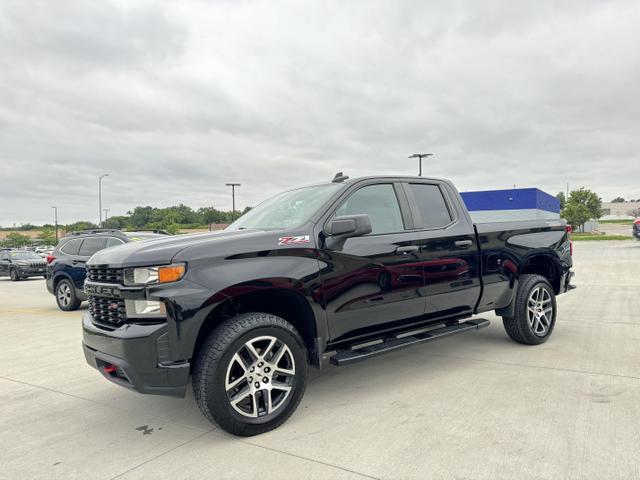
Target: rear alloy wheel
13	274
250	373
534	312
66	296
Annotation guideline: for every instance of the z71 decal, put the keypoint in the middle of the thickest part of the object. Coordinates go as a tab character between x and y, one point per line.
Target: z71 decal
293	240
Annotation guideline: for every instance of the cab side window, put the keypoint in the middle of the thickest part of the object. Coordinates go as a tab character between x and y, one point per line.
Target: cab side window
71	247
91	246
113	242
380	203
433	209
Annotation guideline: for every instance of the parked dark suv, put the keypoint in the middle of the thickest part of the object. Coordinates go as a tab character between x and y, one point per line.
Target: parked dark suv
66	270
19	264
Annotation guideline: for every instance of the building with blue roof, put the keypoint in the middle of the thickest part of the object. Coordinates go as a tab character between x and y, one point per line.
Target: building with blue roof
511	205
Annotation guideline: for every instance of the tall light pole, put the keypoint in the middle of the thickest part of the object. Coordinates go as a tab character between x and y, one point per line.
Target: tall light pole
55	212
420	156
233	198
106	213
100	196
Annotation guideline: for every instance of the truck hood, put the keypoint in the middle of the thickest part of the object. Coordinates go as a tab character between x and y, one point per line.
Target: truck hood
186	248
159	251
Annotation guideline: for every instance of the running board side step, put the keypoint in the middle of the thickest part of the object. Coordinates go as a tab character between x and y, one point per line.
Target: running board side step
401	340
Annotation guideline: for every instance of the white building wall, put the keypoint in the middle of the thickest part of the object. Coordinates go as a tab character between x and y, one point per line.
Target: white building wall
488	216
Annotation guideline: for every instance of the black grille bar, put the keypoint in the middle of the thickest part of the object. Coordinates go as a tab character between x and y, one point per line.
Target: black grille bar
108	312
105	275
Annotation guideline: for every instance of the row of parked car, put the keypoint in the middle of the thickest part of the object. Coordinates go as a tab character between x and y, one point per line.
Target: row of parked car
64	268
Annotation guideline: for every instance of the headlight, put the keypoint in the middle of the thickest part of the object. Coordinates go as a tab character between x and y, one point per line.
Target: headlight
154	275
144	308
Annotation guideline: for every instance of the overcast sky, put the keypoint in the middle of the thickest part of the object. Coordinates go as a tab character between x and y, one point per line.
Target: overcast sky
173	99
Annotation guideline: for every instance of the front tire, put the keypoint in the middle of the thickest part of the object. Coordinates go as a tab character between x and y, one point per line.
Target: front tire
13	274
250	373
66	297
535	311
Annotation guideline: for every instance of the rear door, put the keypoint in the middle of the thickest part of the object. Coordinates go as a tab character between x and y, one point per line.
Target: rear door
448	248
89	246
376	278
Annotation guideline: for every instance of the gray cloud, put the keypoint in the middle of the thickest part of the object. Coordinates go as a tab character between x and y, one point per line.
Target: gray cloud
175	99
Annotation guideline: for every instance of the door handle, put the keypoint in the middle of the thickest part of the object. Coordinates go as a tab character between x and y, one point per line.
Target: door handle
407	249
463	243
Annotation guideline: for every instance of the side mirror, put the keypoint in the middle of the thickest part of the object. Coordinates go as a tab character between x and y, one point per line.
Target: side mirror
339	229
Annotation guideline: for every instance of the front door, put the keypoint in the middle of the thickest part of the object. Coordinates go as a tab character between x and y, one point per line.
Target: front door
376	278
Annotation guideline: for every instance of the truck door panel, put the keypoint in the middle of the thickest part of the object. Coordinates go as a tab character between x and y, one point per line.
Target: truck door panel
448	250
376	278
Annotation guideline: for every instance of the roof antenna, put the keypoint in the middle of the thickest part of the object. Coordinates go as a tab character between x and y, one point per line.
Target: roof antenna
339	178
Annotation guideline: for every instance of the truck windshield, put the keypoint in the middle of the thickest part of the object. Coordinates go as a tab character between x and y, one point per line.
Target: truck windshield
288	209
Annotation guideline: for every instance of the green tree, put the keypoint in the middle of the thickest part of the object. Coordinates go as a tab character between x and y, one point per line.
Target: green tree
141	216
618	200
121	222
81	225
47	236
563	200
581	206
576	215
16	240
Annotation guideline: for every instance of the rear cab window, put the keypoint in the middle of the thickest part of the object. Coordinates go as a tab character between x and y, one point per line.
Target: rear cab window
432	206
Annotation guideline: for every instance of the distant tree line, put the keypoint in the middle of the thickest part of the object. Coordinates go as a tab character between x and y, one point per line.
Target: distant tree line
172	219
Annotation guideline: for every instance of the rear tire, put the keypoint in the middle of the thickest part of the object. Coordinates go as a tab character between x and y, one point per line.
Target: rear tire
66	297
250	373
534	313
13	274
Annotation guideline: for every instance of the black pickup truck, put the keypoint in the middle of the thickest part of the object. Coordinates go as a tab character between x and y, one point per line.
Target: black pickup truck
336	272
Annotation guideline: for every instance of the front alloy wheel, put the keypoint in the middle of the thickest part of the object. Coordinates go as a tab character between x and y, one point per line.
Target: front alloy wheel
66	296
250	373
260	377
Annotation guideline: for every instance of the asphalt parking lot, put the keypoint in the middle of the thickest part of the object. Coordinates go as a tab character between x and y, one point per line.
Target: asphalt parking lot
475	405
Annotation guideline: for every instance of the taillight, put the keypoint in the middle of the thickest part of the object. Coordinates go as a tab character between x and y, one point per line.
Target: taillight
568	229
50	258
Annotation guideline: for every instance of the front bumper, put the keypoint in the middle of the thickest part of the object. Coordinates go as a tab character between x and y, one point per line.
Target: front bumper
31	272
131	357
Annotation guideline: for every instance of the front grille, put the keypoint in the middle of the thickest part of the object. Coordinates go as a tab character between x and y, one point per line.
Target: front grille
107	312
105	275
35	267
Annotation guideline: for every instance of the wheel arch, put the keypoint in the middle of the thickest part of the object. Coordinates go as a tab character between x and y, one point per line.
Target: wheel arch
546	265
286	303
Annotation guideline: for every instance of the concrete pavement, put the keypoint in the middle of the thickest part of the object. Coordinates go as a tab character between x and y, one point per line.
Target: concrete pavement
475	405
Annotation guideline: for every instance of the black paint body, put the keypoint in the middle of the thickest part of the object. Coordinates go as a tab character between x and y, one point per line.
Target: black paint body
370	284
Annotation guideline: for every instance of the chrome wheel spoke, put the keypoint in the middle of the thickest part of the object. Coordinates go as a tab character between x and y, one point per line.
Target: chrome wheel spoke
269	348
252	351
268	401
540	310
